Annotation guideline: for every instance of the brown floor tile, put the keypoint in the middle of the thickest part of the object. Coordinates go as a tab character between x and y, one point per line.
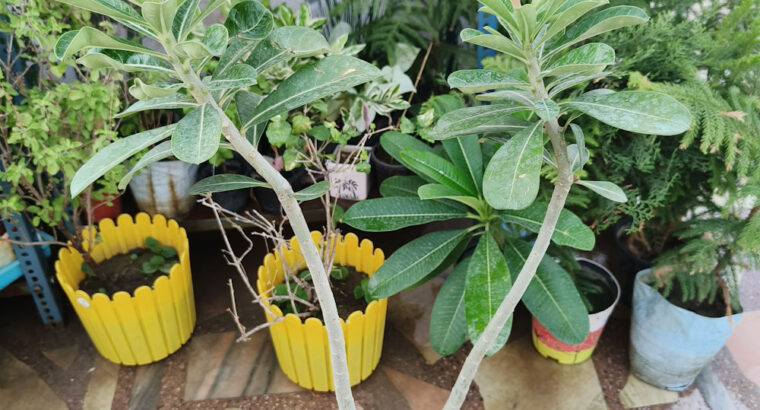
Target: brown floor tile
22	389
744	345
102	385
63	357
418	394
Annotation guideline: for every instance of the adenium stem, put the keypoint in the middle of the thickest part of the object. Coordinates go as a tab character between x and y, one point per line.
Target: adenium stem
507	306
290	205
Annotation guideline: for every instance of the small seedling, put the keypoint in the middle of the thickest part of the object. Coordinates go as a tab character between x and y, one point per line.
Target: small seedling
87	270
103	291
305	275
282	291
362	291
132	256
339	272
164	257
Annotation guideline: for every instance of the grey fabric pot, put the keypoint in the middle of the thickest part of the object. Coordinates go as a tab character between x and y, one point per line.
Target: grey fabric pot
670	345
162	188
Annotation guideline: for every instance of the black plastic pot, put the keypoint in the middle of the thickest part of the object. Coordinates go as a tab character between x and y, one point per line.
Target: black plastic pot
630	264
382	166
229	200
266	197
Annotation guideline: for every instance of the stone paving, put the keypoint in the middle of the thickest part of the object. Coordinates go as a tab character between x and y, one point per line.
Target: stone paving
57	368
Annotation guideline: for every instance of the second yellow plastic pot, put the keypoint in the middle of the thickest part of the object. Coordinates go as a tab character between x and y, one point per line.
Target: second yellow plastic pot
301	346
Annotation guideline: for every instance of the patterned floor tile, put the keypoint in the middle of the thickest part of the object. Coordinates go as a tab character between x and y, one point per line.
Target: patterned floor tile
418	394
409	312
146	386
22	389
102	385
637	393
63	357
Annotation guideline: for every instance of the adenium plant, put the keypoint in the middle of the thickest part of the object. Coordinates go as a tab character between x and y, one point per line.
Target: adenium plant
529	116
245	46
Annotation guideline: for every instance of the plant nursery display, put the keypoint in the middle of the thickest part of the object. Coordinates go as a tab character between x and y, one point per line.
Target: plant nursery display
539	37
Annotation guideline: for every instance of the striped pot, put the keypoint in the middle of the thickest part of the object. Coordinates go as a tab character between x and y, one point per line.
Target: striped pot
301	346
549	346
151	323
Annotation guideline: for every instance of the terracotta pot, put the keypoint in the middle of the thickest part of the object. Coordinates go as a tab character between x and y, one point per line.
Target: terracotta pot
154	321
101	209
301	346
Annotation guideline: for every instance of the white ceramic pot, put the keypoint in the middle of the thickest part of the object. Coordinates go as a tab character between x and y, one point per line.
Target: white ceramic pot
162	188
345	181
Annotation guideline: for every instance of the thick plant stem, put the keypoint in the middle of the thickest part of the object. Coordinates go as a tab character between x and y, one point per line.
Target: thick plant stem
528	271
311	255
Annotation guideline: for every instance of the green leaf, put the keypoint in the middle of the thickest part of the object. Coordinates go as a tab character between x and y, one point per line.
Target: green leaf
592	57
636	111
394	142
401	185
478	120
413	261
114	154
183	19
389	214
466	155
512	178
328	76
157	153
546	109
159	14
163	103
246	102
448	328
578	156
213	43
606	189
568	14
238	75
493	41
488	281
313	191
196	137
249	19
87	37
551	296
236	49
518	96
569	231
111	8
565	82
600	22
438	191
436	168
286	42
475	81
143	91
223	183
98	58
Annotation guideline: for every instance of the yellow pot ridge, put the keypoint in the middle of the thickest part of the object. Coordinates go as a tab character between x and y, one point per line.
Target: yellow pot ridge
301	347
155	321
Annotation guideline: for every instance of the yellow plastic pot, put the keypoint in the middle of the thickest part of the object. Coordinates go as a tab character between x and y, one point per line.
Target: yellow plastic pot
301	347
153	322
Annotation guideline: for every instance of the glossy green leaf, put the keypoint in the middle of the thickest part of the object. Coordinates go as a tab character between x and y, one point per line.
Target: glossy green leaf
98	58
159	14
327	76
493	41
389	214
568	14
183	19
546	109
157	153
448	327
286	42
196	137
588	57
512	178
475	81
413	261
636	111
578	156
606	189
551	296
431	166
213	43
114	154
482	119
111	8
238	75
569	231
466	155
246	103
249	19
164	103
72	42
236	49
571	80
401	185
393	142
143	91
602	21
313	191
518	96
488	281
439	191
223	183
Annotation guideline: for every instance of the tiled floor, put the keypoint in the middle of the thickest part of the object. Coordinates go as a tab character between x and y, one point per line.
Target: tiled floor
57	368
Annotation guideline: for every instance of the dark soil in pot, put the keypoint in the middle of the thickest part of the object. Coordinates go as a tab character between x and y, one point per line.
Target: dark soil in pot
385	166
230	200
630	263
121	273
267	198
715	309
596	287
343	291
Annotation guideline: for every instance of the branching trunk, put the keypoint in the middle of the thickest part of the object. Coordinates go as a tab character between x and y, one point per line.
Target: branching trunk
293	211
